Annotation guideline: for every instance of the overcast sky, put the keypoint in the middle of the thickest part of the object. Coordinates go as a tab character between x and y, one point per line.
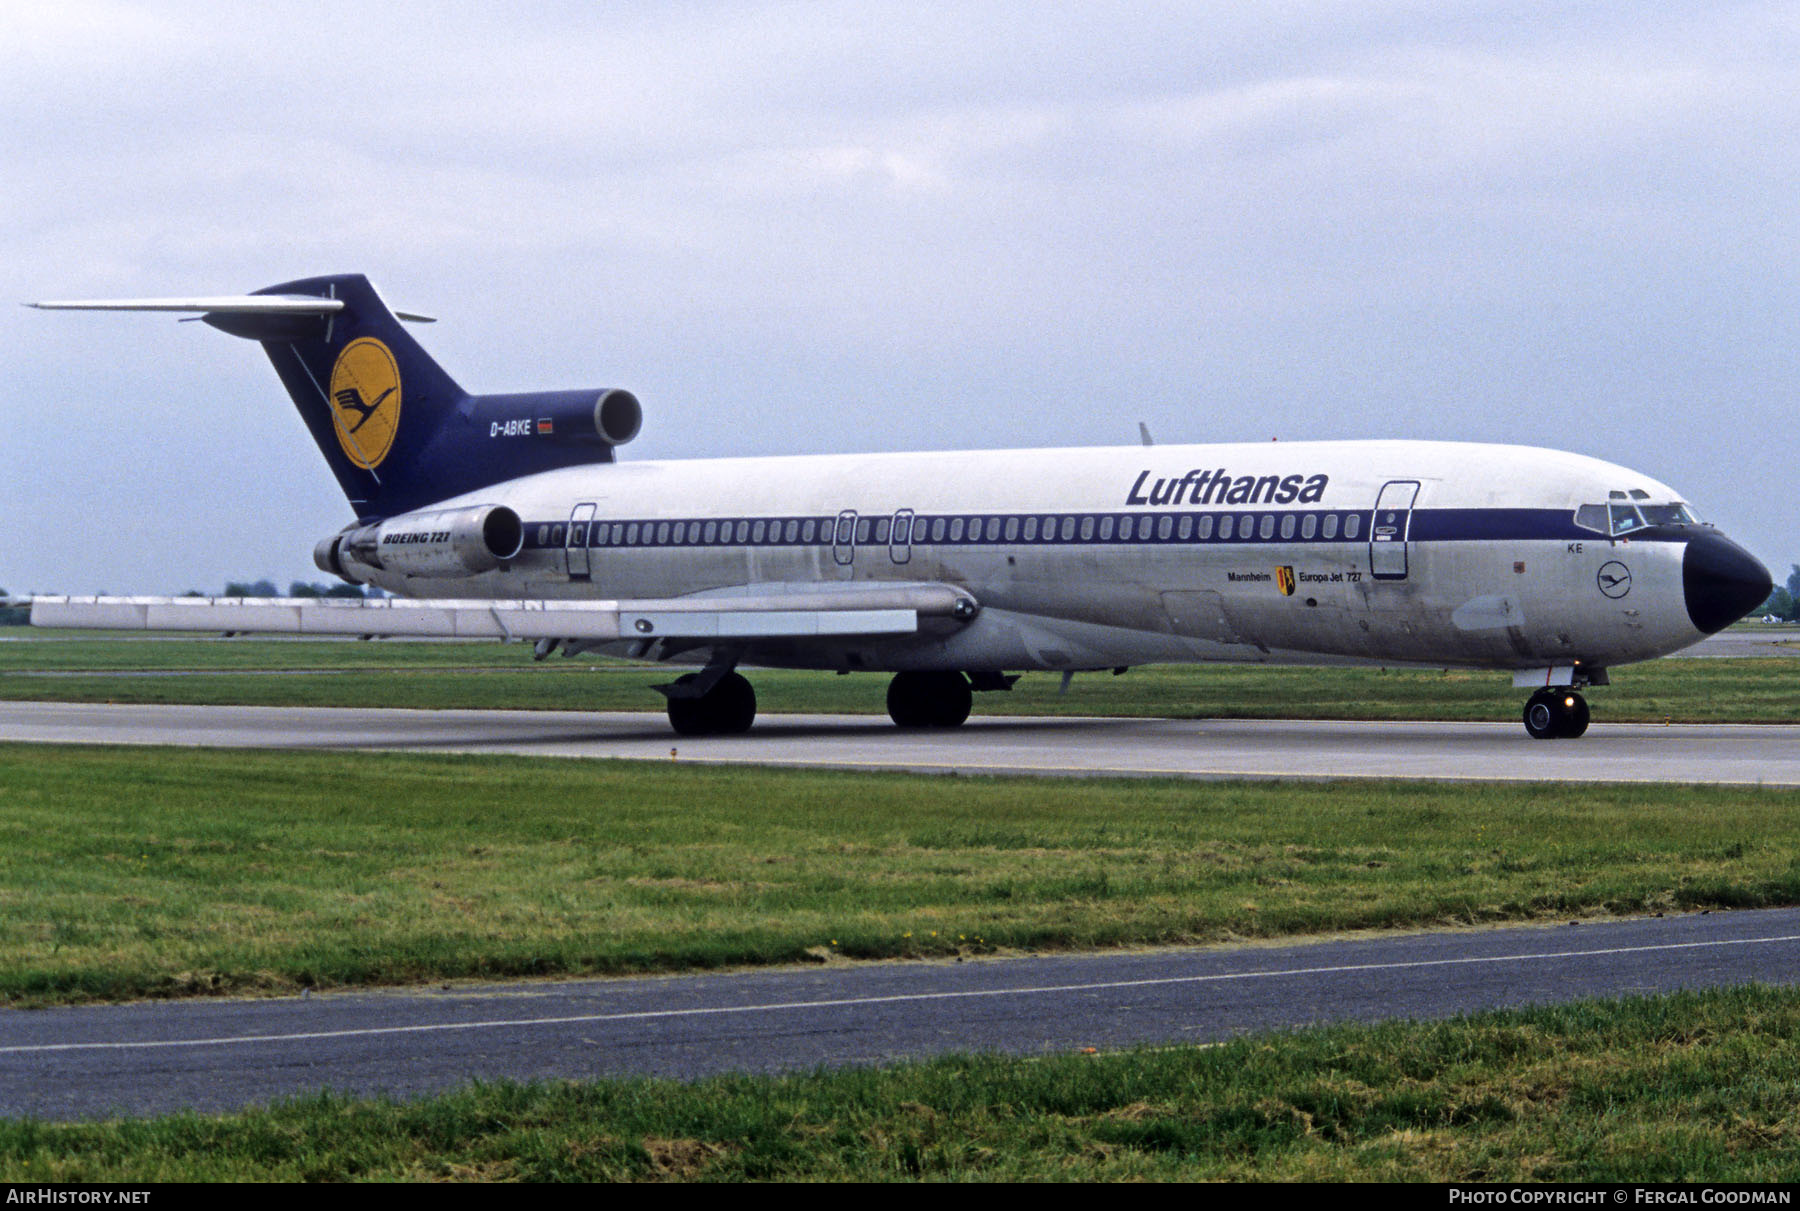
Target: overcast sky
796	228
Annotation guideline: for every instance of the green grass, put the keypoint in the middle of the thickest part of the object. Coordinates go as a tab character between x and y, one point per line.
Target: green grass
153	872
1694	1087
265	672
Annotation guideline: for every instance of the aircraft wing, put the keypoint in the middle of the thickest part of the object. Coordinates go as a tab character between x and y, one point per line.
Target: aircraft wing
744	612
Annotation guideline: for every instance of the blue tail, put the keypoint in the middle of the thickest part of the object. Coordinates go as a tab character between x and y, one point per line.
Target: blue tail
398	431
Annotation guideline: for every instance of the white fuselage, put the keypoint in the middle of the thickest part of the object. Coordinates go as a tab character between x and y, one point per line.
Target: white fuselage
1093	558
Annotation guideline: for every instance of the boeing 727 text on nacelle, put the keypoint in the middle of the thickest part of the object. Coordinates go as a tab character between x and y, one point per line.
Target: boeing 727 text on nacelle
507	517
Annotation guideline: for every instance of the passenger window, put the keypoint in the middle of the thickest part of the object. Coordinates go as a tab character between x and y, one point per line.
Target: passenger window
1087	528
862	531
937	529
662	534
1066	531
809	529
956	529
631	534
790	531
1331	525
881	530
1012	529
1165	525
1107	525
743	531
1353	525
1206	527
1267	529
1309	526
1031	529
1225	527
1287	525
1185	530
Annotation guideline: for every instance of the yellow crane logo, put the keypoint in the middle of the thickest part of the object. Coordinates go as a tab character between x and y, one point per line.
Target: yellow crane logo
365	401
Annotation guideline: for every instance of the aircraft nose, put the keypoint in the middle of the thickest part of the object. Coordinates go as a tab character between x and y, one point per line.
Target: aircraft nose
1722	581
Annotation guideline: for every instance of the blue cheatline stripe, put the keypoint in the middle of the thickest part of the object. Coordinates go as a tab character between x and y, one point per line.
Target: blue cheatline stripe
1145	527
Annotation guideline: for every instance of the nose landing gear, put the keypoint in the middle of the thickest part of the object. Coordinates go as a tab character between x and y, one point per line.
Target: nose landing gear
1556	715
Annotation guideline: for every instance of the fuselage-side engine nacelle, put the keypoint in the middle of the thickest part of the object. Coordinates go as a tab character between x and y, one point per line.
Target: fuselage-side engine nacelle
439	543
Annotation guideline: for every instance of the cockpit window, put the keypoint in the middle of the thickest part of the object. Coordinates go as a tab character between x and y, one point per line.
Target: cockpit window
1621	517
1593	517
1625	519
1676	514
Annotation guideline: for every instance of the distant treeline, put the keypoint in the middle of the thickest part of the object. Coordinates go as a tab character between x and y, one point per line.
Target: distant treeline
1784	603
297	588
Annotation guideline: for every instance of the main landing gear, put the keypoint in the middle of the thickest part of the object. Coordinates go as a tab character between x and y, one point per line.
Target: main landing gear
725	708
717	702
1556	715
919	700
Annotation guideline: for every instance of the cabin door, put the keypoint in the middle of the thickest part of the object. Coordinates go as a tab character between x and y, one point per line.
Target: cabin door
576	550
1389	529
843	541
900	537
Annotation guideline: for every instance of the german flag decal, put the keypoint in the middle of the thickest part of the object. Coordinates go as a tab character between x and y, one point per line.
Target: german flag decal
1284	577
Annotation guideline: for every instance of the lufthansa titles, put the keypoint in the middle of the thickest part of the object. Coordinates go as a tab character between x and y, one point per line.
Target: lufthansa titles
1221	487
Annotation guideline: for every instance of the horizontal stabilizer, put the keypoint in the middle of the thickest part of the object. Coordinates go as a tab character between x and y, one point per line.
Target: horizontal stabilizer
224	304
598	621
227	304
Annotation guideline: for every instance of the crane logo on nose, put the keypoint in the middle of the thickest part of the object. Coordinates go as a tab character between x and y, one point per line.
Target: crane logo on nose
1614	578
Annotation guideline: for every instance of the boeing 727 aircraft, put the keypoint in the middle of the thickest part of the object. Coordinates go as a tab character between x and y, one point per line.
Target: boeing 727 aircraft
508	517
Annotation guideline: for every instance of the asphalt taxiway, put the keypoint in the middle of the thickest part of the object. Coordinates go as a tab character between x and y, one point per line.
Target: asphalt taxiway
1210	748
218	1055
215	1055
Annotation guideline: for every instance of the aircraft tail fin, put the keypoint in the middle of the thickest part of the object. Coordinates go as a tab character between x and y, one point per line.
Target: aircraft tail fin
396	429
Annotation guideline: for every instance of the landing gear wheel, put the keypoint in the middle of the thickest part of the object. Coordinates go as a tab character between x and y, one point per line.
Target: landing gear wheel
728	709
917	700
1577	720
1556	715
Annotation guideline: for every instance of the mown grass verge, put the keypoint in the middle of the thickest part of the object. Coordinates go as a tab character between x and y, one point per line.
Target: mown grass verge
150	872
256	672
1682	1088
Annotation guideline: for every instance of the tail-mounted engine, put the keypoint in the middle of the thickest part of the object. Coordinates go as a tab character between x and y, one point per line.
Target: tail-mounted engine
609	417
446	543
